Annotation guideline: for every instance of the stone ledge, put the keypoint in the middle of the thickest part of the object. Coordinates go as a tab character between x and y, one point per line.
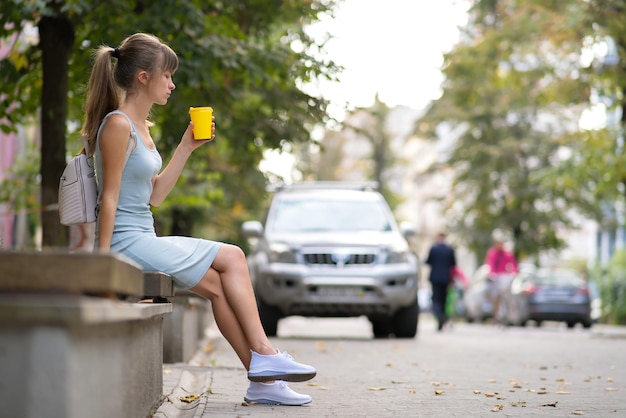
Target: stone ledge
60	271
157	284
69	309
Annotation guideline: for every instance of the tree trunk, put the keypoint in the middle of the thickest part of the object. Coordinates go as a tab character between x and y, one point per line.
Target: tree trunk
56	36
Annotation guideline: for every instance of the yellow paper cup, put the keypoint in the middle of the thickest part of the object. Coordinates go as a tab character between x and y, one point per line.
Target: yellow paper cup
202	118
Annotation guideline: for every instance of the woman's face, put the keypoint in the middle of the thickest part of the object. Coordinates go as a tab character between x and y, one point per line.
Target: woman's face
161	86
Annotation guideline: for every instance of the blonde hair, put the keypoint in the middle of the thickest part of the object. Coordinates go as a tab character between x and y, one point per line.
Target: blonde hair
109	83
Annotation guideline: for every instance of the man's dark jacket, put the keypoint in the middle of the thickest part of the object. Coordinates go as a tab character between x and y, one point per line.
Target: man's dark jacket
441	259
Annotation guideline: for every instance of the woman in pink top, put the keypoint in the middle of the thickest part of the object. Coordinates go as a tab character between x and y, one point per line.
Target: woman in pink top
502	268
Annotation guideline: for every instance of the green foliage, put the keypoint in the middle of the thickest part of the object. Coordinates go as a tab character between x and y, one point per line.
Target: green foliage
512	93
235	56
19	187
612	286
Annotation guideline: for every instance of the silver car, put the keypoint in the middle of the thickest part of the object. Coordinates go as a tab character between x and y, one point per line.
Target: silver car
334	250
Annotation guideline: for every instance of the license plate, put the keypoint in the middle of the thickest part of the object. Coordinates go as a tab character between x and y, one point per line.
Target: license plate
339	291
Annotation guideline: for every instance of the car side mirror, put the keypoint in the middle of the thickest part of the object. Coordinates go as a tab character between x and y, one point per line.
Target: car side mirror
407	229
252	229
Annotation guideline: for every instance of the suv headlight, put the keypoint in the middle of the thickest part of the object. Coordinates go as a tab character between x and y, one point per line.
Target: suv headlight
397	255
281	253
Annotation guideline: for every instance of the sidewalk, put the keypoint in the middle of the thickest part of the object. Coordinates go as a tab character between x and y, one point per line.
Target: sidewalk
214	382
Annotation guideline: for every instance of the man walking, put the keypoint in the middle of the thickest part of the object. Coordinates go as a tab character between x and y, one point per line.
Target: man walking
441	260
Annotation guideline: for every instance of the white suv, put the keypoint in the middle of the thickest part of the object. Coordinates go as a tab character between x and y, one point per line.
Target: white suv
334	250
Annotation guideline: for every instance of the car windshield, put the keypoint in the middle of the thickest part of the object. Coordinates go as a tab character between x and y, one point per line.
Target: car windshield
329	215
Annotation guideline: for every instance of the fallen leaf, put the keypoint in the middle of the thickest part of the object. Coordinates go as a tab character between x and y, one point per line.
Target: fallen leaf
208	348
609	379
324	388
497	408
379	388
319	345
560	379
397	382
578	413
519	403
477	391
610	389
189	398
438	392
491	381
167	372
436	383
490	395
563	392
412	391
550	404
542	392
388	365
311	384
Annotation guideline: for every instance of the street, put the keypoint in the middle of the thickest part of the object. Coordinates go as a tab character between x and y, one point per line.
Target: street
468	370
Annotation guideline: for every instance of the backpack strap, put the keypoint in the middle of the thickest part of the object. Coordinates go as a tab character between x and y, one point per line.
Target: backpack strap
133	132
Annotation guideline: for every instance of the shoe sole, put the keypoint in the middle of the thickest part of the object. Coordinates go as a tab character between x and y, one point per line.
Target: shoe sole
287	377
273	402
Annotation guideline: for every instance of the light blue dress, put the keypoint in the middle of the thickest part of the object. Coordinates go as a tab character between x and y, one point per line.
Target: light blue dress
186	259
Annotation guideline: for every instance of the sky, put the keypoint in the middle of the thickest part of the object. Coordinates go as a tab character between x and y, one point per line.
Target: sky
393	48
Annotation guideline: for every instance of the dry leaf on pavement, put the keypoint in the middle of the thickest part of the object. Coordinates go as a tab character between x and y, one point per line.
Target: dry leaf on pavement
189	398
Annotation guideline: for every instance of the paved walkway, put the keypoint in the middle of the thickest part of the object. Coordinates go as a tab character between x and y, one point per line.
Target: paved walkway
364	377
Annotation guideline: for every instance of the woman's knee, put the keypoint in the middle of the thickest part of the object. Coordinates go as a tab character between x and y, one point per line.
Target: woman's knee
229	255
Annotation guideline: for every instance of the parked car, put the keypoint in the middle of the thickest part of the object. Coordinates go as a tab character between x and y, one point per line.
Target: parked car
334	250
476	303
549	295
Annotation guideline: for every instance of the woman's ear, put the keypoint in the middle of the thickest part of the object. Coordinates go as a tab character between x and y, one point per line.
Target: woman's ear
142	76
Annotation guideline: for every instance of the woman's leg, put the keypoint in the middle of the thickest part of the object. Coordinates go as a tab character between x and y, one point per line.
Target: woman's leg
227	285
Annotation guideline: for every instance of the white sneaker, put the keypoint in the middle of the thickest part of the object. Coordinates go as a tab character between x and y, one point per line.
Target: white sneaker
279	366
277	393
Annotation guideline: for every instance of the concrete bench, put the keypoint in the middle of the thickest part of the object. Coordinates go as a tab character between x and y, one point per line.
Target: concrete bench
73	341
184	329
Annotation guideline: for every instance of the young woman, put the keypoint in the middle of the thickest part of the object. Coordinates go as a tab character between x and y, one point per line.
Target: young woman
124	84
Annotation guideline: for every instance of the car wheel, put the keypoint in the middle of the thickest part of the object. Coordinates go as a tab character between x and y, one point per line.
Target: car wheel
587	323
381	327
405	321
269	318
571	324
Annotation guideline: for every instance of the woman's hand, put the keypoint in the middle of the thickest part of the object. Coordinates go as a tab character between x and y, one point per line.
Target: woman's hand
188	137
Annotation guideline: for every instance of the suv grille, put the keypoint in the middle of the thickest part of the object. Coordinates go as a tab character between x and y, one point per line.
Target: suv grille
339	259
